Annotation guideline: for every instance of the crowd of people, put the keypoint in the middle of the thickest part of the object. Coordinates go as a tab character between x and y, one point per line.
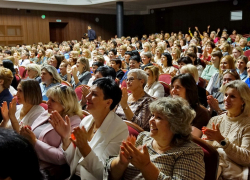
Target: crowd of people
87	138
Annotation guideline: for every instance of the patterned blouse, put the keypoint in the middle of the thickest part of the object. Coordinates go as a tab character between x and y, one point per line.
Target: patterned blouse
185	162
141	111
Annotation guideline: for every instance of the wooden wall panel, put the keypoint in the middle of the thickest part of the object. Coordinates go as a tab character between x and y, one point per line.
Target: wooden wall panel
35	29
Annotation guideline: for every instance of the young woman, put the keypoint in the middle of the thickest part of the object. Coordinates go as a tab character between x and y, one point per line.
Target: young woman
241	65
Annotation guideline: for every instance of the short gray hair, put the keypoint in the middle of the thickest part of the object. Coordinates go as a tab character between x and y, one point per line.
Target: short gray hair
140	75
53	72
34	67
244	92
179	115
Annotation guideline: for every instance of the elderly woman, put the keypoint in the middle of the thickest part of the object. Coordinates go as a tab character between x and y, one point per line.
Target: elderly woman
146	58
62	100
229	133
153	87
166	152
99	134
63	70
185	86
6	78
135	106
81	73
28	109
50	78
241	64
34	72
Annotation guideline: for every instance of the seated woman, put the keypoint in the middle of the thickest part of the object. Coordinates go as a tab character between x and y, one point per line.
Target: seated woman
34	72
46	141
184	61
153	87
6	78
63	70
135	106
95	66
81	73
215	82
237	52
216	100
9	65
55	61
185	86
99	134
214	68
28	109
229	133
206	55
241	64
166	152
176	54
191	69
166	65
50	78
116	64
146	58
26	164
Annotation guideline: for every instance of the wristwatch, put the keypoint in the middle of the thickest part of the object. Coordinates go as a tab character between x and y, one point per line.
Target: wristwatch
223	143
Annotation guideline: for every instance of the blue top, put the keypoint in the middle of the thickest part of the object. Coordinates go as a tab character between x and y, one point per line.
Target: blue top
91	34
5	96
243	76
124	77
44	89
248	82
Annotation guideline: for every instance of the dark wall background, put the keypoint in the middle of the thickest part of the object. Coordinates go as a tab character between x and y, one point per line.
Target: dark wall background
216	14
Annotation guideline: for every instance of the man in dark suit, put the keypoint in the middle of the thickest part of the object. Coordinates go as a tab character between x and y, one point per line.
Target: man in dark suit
91	34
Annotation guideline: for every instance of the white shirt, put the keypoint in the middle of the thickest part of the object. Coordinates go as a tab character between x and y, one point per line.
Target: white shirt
155	90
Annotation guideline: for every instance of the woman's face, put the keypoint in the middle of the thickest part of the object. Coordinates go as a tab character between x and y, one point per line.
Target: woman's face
53	61
63	68
158	53
224	64
40	53
46	77
209	48
79	65
145	59
114	65
241	65
237	38
164	61
215	59
133	83
32	74
20	95
248	69
159	126
32	54
232	101
177	89
145	49
190	50
242	42
94	68
85	54
227	78
95	100
111	55
53	105
151	79
15	55
127	56
133	64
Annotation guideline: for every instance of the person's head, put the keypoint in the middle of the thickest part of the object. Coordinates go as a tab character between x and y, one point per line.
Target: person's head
63	99
159	50
63	67
193	57
116	63
34	70
56	60
184	85
105	71
138	45
227	62
86	53
122	49
226	47
146	57
230	75
99	58
104	94
6	78
209	46
176	53
153	73
146	47
25	95
95	65
237	52
192	48
134	62
49	75
191	69
171	117
238	37
127	55
9	65
242	62
243	42
216	57
184	61
82	64
112	53
136	79
166	60
236	97
16	148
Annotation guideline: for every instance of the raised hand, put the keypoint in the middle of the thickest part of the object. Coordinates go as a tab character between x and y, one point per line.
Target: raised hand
196	28
62	127
5	111
74	71
208	26
213	103
218	30
213	134
124	99
69	70
12	108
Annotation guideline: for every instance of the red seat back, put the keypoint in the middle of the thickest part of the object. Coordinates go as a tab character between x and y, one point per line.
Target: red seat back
23	72
78	91
166	88
134	129
165	78
247	54
44	105
66	83
202	82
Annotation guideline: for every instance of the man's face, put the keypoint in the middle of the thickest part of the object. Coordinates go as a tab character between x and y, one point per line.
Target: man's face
89	27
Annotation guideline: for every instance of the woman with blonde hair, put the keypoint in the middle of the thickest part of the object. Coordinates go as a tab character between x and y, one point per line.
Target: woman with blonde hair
176	54
243	44
226	49
241	65
81	73
86	53
237	40
153	87
158	52
146	47
237	52
34	71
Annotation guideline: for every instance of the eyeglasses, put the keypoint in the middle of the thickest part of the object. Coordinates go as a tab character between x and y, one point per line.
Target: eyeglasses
233	71
131	79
